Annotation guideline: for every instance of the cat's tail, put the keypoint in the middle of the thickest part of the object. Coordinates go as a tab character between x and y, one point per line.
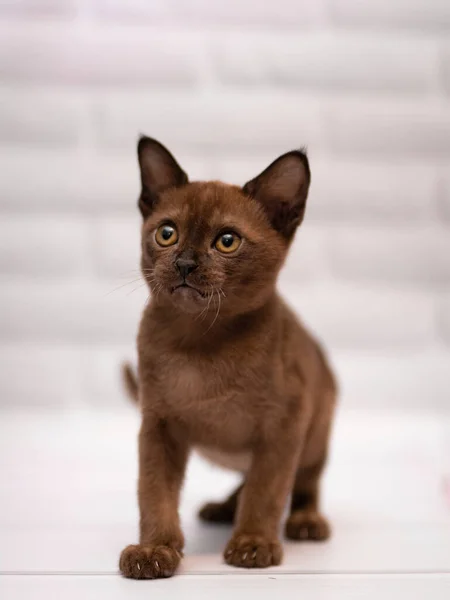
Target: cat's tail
130	382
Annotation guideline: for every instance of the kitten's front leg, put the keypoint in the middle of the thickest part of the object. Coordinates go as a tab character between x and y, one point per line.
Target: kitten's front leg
162	462
255	541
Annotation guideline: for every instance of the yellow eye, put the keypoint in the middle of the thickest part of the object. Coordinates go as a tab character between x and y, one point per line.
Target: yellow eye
228	242
166	235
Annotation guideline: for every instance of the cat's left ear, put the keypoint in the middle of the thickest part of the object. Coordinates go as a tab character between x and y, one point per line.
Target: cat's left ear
159	172
282	189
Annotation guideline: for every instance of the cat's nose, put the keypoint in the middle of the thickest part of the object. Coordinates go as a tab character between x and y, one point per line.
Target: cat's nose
185	266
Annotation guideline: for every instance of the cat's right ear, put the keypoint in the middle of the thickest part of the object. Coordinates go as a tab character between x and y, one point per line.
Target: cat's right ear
159	172
282	189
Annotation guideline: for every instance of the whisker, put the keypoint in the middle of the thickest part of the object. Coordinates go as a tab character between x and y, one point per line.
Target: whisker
204	310
136	272
210	297
137	288
158	288
123	285
217	313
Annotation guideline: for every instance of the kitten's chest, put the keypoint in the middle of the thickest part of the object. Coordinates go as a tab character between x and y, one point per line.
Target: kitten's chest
215	399
199	377
196	385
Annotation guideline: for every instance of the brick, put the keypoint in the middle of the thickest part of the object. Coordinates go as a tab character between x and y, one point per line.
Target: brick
133	10
238	168
307	258
419	255
389	128
328	62
77	311
354	191
361	191
41	117
365	317
383	14
38	376
285	13
43	246
99	56
388	381
445	67
444	318
67	181
198	122
38	8
444	192
117	249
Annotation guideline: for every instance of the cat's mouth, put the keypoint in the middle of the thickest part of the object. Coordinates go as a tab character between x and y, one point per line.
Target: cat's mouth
185	289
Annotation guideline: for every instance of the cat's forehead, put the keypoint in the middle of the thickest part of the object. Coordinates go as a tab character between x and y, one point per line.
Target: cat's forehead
209	204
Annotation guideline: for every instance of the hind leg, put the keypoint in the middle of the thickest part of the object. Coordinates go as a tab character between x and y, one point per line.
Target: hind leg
221	512
305	521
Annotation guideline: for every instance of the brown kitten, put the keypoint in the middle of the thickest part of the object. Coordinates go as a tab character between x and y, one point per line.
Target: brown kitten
224	365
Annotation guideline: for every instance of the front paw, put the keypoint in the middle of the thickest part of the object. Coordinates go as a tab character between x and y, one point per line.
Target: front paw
149	562
253	551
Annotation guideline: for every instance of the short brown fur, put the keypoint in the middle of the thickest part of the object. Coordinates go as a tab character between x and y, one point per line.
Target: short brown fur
224	364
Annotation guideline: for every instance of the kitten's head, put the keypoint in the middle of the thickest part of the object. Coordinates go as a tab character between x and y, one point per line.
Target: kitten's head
205	243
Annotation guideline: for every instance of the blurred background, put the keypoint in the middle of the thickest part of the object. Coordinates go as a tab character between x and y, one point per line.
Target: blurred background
227	86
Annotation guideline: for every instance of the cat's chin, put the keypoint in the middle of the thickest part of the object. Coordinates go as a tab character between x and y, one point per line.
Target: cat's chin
188	299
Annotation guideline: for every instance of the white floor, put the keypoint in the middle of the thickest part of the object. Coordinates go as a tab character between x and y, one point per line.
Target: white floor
68	506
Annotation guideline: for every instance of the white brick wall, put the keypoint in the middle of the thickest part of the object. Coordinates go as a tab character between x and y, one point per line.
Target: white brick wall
38	8
392	128
398	14
417	255
75	310
445	193
377	317
445	317
117	246
330	62
40	117
227	86
206	121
